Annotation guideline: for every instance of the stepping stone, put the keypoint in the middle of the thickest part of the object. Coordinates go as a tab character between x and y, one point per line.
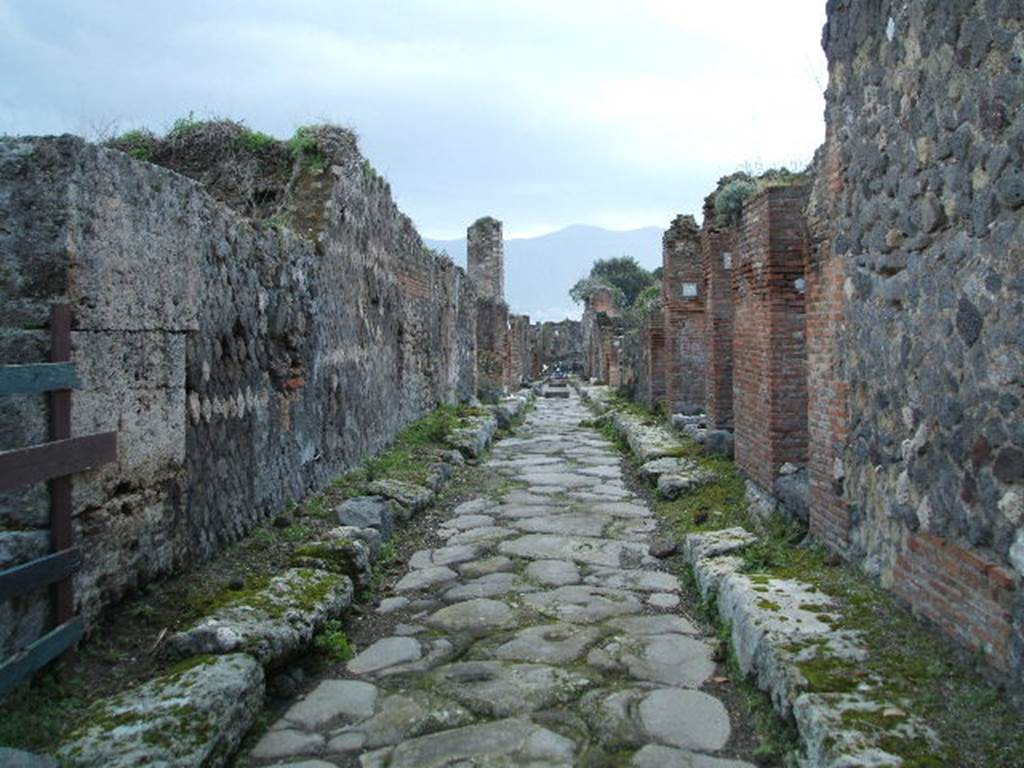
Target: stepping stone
332	700
553	573
385	653
655	756
495	585
413	713
549	644
583	604
501	689
426	578
286	743
686	719
489	565
668	659
473	616
571	524
504	742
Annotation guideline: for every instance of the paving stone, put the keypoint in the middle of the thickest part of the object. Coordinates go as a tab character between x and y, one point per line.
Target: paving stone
374	512
474	507
426	578
653	625
638	580
473	616
549	644
465	522
476	568
610	715
583	604
483	535
687	719
425	558
287	743
553	573
392	604
500	744
385	653
569	524
663	600
333	700
401	716
655	756
668	659
502	688
494	585
581	549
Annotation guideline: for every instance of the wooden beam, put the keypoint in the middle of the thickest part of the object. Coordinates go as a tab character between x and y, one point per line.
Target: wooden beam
39	654
61	533
38	377
38	573
25	466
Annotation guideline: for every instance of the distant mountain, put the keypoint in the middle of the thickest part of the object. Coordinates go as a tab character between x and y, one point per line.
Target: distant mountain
539	271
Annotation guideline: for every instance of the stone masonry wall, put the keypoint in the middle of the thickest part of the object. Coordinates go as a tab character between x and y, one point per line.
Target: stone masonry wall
520	362
642	360
683	296
716	260
485	258
769	374
919	359
556	344
242	365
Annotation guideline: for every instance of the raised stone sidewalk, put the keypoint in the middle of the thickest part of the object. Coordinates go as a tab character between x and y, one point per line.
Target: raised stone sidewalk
541	634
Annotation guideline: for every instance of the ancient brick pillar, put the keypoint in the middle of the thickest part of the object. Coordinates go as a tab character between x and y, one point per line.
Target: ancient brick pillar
654	358
519	350
717	246
769	351
683	298
485	258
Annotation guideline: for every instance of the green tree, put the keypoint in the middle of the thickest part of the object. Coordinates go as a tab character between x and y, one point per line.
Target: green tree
622	274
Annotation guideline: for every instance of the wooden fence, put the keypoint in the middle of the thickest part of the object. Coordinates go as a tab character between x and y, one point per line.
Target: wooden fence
55	462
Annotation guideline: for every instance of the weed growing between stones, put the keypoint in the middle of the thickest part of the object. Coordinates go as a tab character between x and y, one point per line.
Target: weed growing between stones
332	642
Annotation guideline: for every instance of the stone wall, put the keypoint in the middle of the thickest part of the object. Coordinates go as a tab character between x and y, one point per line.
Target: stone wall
643	365
769	373
520	360
918	436
683	295
716	261
556	345
242	365
601	327
485	258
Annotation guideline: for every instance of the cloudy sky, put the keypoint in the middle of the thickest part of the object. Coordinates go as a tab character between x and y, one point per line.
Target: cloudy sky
543	113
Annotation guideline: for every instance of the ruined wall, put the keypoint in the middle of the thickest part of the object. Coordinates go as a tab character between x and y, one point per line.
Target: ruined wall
520	360
241	364
769	373
683	295
642	359
600	324
919	359
717	246
485	258
556	345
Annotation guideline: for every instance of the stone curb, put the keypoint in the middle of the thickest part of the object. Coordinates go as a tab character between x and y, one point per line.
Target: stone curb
776	625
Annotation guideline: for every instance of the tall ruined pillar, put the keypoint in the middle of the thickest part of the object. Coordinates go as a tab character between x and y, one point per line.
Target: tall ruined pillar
717	247
485	260
769	351
683	292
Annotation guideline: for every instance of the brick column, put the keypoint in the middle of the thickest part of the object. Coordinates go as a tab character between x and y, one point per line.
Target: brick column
717	253
769	351
683	295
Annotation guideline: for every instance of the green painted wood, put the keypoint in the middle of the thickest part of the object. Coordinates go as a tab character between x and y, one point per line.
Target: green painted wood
39	573
39	654
38	377
25	466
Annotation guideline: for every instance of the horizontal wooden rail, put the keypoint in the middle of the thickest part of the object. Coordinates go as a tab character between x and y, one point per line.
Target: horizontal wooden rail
59	458
38	377
39	654
38	573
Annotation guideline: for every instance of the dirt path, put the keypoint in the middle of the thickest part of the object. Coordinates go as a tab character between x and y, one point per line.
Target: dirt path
541	634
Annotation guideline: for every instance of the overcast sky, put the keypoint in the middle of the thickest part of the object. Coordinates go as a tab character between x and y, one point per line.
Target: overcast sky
542	113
